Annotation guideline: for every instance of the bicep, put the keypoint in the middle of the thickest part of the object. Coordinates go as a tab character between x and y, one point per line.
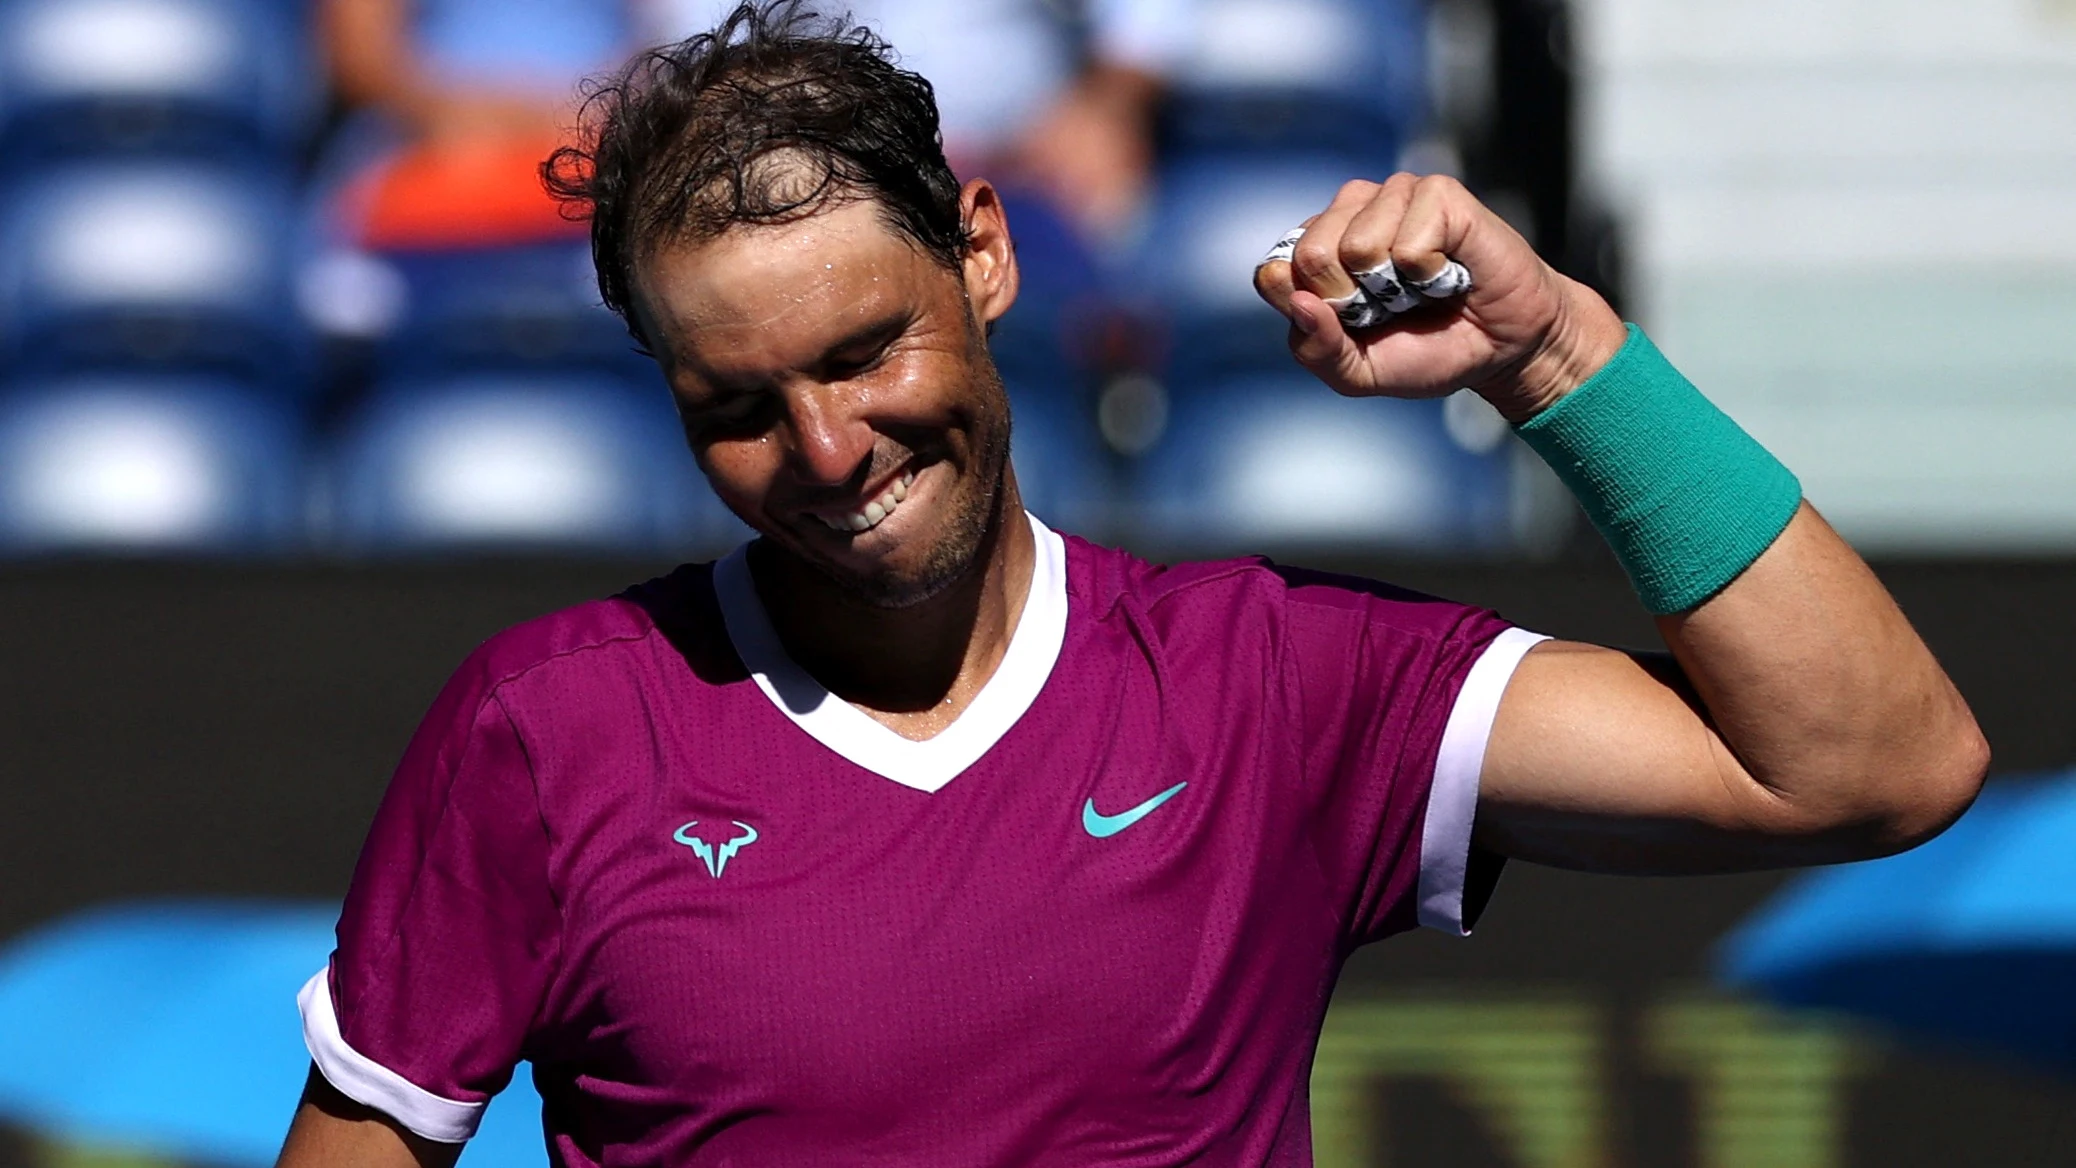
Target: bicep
1604	761
332	1131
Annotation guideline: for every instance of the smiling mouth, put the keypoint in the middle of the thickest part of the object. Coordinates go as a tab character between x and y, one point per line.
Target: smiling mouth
874	513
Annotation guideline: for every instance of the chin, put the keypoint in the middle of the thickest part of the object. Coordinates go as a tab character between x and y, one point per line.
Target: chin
903	586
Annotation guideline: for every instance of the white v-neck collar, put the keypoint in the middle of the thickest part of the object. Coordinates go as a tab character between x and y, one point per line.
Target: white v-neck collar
842	727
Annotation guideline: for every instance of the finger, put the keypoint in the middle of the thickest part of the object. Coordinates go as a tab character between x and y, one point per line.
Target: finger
1272	276
1453	280
1320	342
1366	246
1316	260
1272	283
1438	220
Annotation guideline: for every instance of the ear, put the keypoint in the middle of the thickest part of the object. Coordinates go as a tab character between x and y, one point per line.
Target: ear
990	264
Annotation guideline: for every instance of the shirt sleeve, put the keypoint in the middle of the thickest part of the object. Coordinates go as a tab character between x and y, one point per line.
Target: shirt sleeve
1398	694
449	934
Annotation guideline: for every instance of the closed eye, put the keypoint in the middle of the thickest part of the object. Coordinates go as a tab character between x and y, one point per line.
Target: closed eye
736	415
861	352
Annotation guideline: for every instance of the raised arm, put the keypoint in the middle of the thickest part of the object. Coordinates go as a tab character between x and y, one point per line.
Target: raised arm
1799	719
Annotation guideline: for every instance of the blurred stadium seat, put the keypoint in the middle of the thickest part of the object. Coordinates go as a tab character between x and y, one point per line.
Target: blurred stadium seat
148	464
1275	457
1214	219
531	307
161	265
519	462
160	236
218	77
1303	74
1062	470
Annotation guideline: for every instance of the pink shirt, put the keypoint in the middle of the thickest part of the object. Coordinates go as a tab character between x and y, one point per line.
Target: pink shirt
732	920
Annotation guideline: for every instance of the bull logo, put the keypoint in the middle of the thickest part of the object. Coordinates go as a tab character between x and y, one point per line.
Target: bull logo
716	858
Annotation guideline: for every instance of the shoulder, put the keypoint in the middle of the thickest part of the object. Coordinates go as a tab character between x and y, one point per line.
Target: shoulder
1211	595
599	637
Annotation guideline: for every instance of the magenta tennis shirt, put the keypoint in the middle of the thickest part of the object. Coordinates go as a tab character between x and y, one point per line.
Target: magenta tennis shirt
732	920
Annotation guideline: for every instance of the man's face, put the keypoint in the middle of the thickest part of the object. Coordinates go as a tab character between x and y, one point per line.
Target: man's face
836	387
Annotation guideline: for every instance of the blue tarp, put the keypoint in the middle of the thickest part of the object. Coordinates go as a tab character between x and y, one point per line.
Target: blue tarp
1968	941
171	1028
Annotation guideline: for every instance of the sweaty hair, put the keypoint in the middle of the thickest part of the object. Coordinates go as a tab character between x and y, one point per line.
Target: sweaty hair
771	116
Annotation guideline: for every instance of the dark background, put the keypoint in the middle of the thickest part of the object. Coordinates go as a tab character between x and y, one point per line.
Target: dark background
226	729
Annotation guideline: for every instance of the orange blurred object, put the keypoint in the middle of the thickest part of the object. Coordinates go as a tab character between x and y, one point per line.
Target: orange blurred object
483	193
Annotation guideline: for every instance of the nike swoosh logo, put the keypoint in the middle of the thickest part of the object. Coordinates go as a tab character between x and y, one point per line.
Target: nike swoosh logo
1104	826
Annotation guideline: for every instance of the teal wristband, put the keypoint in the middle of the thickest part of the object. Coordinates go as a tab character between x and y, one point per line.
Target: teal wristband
1685	497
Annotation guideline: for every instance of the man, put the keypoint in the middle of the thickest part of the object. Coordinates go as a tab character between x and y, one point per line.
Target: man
916	833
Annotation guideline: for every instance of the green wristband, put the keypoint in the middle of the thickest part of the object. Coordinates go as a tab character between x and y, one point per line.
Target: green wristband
1685	497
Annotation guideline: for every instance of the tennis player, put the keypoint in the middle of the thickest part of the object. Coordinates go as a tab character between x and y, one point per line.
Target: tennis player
916	833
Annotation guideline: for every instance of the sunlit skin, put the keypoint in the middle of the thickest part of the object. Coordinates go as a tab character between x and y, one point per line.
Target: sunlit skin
817	362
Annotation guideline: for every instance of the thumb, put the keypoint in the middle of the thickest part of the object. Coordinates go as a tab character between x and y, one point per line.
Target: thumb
1321	344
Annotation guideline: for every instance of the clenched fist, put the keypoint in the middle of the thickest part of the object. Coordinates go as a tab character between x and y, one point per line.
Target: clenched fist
1524	336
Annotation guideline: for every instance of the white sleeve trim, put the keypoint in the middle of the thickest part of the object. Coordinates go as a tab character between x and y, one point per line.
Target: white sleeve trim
1452	800
368	1082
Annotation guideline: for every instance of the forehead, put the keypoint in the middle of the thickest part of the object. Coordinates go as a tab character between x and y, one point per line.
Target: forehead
823	273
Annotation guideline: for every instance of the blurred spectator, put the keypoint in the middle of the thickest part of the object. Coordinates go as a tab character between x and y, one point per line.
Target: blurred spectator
1055	99
472	93
460	100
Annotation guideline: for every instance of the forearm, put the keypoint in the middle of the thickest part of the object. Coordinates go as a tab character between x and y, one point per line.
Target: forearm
1838	716
1826	717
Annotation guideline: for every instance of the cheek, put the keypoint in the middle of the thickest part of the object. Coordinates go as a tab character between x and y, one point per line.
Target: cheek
740	470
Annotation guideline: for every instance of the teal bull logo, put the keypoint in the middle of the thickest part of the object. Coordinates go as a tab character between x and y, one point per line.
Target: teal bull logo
716	859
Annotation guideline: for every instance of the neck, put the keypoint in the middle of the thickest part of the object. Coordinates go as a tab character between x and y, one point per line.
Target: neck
914	669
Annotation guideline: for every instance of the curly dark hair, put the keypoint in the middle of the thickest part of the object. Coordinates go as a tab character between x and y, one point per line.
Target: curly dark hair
768	117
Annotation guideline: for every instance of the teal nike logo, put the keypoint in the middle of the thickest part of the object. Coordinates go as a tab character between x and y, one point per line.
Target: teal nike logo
1104	826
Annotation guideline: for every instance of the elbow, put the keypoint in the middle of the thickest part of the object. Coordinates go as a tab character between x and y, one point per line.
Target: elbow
1945	773
1870	802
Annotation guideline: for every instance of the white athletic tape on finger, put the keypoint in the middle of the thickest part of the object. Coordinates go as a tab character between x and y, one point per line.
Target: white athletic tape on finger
1381	293
1453	280
1384	286
1392	296
1355	309
1358	310
1285	248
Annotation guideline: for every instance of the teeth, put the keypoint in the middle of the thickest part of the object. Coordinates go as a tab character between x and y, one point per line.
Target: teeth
873	513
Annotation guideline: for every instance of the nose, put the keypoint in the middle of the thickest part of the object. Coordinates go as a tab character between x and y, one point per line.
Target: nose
832	441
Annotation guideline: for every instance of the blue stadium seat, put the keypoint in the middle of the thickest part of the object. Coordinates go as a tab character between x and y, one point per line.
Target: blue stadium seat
1279	459
148	464
525	309
517	462
1057	271
217	77
1212	221
1303	74
150	265
1062	469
